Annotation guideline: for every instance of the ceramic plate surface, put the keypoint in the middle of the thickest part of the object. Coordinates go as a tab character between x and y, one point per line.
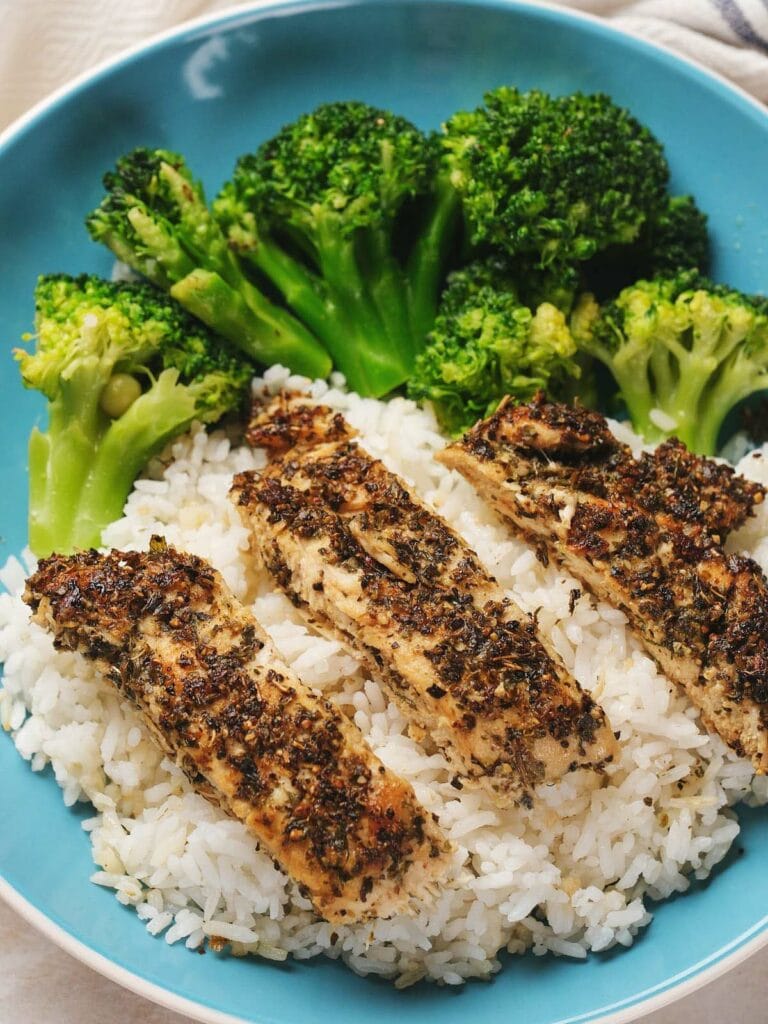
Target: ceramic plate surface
213	91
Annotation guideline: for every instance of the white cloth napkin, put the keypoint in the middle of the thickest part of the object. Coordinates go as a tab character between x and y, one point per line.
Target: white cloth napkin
45	43
729	36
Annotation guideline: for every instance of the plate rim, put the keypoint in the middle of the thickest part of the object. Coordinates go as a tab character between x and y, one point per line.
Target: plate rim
707	971
695	977
248	7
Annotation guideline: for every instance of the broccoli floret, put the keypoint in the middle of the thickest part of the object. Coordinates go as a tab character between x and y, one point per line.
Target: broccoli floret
532	285
155	218
559	285
683	351
554	179
486	344
124	370
673	239
344	211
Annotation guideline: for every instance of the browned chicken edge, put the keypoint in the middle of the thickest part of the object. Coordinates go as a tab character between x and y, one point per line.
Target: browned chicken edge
644	535
166	631
356	550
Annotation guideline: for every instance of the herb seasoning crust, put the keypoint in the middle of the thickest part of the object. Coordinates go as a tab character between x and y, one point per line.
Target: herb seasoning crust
164	628
644	535
351	545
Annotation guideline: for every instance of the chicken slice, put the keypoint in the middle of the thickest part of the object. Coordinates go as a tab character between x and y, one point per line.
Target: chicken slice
574	448
164	628
361	555
702	614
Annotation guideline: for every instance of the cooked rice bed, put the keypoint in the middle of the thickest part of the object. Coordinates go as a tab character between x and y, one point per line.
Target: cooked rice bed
575	873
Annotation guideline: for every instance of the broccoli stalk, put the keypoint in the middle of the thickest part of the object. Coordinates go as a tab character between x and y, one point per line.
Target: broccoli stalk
429	257
486	344
684	352
124	371
155	218
325	211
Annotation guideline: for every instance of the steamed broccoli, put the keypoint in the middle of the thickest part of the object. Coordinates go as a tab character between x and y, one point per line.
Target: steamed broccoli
124	370
155	218
486	344
674	238
345	212
554	179
559	285
683	351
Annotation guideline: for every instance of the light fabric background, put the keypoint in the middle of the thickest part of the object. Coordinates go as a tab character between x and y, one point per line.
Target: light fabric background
43	44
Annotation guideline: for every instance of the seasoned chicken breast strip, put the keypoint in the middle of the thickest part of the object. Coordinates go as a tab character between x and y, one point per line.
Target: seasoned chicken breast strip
164	628
702	614
575	448
353	547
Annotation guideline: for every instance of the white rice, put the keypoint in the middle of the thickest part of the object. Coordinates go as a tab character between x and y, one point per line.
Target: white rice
576	873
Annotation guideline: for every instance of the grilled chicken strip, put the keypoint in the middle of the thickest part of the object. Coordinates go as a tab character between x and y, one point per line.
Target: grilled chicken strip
690	488
575	449
353	547
164	628
652	551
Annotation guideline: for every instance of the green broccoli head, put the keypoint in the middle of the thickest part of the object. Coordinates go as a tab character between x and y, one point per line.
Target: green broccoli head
127	328
553	178
87	319
124	370
532	284
675	238
683	351
556	284
485	344
494	274
154	216
340	212
348	161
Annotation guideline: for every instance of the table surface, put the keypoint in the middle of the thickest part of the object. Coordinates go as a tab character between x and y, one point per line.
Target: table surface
40	984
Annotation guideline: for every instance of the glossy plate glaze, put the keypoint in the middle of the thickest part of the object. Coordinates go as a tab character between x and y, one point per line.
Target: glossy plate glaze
214	90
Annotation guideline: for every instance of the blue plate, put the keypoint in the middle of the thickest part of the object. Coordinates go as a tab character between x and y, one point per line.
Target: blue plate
213	91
